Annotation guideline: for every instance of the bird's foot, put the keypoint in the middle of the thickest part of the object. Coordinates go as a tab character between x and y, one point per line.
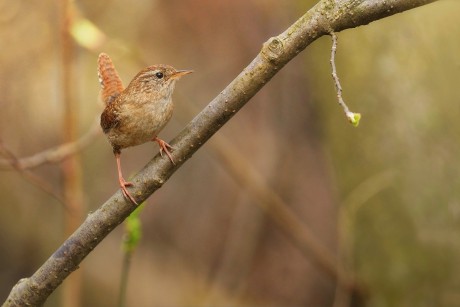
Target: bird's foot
164	147
123	185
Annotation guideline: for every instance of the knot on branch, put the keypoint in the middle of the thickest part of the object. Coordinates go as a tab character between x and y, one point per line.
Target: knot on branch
273	49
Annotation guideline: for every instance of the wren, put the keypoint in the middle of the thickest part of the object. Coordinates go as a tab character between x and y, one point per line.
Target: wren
136	114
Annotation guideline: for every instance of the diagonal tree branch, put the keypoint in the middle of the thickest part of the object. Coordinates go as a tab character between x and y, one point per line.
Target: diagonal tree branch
323	18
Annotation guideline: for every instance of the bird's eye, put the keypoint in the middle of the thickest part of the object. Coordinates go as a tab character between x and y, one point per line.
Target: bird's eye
159	75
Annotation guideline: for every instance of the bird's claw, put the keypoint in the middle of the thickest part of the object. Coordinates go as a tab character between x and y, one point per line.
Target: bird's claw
164	147
123	185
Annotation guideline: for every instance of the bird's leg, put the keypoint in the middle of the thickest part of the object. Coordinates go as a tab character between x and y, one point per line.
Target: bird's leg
164	147
122	181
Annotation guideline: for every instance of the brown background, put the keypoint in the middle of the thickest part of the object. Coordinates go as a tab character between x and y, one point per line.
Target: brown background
388	191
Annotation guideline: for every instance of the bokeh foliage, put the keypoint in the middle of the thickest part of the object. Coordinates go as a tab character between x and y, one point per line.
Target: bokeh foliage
387	192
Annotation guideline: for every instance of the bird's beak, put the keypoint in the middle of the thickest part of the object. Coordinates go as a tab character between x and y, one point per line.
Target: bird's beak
179	73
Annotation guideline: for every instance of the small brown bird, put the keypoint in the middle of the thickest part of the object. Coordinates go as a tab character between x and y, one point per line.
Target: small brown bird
136	115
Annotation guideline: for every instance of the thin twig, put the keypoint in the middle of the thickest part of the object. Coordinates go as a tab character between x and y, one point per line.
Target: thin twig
338	87
55	154
52	155
125	267
352	117
30	176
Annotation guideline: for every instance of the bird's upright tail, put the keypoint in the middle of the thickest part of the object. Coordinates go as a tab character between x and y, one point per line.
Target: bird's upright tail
111	85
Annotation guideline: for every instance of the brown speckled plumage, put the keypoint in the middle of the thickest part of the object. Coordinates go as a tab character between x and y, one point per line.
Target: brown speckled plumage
136	115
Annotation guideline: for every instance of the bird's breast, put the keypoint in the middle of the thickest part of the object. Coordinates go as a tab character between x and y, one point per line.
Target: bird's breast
140	122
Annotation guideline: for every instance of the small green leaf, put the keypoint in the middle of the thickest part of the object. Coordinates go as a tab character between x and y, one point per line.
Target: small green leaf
133	231
354	118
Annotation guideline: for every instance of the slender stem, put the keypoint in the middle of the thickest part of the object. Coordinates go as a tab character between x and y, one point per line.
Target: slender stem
55	154
34	179
127	256
335	77
351	116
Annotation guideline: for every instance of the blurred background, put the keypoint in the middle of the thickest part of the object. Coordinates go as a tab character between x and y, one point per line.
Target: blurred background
383	198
